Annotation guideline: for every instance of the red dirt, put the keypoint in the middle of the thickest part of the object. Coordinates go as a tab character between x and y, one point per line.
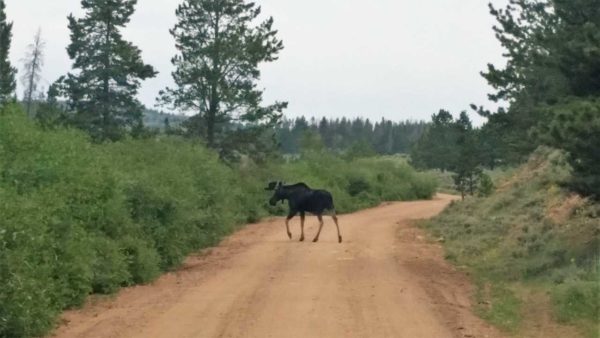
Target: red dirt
385	280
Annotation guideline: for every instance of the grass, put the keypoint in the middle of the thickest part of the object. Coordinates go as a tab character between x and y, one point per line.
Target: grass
530	233
499	305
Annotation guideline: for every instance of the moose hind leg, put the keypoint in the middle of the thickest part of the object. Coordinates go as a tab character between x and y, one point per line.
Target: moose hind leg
320	228
302	218
335	219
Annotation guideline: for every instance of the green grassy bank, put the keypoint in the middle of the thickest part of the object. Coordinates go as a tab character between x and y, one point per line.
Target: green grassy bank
529	238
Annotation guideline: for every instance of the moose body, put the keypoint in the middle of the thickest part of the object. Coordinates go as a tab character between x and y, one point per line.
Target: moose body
302	199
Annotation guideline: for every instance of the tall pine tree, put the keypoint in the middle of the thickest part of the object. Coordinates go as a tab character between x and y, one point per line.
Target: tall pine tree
107	71
466	160
552	82
8	84
436	148
220	46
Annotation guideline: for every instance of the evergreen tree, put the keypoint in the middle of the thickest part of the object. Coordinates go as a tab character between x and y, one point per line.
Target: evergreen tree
108	71
32	64
287	144
8	84
551	80
357	135
436	149
466	163
575	127
220	47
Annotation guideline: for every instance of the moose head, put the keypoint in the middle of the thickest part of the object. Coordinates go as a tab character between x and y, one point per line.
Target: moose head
277	188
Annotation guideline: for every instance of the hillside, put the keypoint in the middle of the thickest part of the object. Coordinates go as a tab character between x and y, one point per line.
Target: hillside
531	246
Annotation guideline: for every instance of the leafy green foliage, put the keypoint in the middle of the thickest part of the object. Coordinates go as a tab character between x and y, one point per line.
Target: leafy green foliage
577	300
486	185
358	183
220	47
107	71
8	83
76	220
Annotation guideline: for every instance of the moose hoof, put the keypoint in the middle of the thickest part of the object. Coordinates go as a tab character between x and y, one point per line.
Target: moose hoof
290	235
301	239
315	240
340	239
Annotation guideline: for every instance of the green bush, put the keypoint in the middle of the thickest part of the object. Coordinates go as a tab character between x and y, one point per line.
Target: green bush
110	270
577	299
486	185
142	259
357	183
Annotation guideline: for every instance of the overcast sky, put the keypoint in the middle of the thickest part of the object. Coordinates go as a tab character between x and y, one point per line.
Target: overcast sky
399	59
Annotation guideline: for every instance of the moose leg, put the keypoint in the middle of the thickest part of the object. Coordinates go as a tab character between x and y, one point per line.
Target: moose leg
302	218
320	228
287	224
335	219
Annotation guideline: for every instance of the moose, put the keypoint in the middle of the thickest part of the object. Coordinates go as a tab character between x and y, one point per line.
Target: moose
302	199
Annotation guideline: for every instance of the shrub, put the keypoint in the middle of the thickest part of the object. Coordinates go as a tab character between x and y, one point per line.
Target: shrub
109	266
486	185
577	299
143	261
357	185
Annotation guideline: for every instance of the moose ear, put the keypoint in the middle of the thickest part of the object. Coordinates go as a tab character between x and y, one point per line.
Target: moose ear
271	186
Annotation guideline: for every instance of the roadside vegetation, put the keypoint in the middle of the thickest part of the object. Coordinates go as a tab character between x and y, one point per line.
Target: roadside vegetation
531	236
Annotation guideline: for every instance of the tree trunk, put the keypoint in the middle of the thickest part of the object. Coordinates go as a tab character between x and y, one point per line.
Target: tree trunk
210	123
106	80
33	70
213	108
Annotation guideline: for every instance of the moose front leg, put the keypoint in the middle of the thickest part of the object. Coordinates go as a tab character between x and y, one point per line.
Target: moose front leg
320	228
287	223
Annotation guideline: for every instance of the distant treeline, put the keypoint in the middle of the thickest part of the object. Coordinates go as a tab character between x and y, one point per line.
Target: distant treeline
383	137
160	120
551	81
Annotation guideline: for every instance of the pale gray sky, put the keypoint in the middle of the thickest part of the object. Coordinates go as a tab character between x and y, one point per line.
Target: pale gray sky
399	59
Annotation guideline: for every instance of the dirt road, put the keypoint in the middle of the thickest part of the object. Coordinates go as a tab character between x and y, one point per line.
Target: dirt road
385	280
